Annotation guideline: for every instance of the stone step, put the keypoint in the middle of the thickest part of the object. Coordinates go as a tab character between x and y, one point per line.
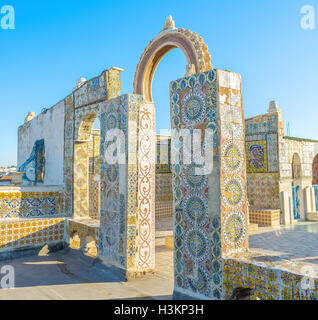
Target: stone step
161	237
252	228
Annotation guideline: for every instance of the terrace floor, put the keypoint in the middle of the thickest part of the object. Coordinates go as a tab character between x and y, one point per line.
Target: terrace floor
71	275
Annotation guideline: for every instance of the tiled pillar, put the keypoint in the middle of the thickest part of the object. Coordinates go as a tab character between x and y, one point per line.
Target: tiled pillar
210	211
126	238
81	187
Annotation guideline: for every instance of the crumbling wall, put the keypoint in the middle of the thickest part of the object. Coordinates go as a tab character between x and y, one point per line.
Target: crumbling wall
49	125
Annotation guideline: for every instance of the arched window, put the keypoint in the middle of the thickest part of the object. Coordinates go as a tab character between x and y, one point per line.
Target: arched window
296	167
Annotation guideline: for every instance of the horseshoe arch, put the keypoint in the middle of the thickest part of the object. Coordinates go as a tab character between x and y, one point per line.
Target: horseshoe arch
192	46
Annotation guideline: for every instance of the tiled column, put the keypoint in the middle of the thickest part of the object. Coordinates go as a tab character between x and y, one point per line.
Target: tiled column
81	201
210	211
126	239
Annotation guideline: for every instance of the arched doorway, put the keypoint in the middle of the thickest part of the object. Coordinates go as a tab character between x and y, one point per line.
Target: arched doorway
296	167
315	178
296	185
197	59
315	171
171	67
209	204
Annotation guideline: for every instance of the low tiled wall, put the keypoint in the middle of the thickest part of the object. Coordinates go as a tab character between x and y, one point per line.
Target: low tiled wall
30	233
265	217
30	202
30	216
83	235
271	281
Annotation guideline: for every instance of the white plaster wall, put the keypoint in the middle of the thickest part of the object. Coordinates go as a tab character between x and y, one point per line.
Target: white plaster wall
306	150
50	127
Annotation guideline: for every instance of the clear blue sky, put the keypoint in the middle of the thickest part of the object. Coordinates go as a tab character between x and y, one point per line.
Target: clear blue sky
56	42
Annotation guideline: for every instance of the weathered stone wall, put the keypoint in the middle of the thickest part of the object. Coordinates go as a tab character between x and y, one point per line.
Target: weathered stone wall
304	151
261	146
49	125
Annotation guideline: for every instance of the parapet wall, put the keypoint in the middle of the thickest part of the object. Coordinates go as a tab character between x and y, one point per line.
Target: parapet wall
261	144
31	217
49	125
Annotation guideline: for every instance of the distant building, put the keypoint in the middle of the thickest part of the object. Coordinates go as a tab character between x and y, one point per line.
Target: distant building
6	180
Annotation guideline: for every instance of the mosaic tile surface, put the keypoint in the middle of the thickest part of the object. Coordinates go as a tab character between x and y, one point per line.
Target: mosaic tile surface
210	218
33	232
30	204
268	283
34	167
81	110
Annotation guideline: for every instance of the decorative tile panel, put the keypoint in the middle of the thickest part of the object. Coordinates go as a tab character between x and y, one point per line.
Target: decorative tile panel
210	219
31	233
30	204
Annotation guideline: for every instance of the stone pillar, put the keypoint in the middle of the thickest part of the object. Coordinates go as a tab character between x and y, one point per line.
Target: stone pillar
313	199
286	207
307	200
210	210
127	235
310	203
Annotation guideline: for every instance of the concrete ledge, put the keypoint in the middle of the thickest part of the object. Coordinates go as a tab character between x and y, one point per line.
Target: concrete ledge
252	228
169	242
24	188
312	216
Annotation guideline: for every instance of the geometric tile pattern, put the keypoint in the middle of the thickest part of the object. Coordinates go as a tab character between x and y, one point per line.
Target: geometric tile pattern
30	204
29	232
261	146
127	213
164	209
94	174
210	210
233	173
81	203
268	283
80	114
112	210
90	91
163	187
256	156
264	217
68	154
197	240
205	227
